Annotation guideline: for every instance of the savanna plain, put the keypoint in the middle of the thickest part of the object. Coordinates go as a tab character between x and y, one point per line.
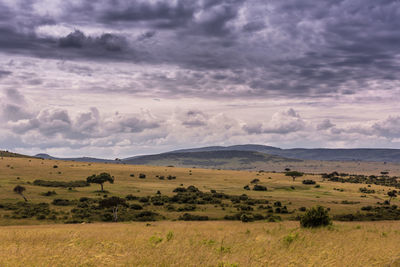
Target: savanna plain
169	216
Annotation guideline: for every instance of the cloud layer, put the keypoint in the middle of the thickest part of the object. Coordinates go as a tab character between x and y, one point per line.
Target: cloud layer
138	74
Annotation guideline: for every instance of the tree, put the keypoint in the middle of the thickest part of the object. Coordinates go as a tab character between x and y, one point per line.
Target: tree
287	169
19	190
384	173
100	179
113	203
294	174
392	194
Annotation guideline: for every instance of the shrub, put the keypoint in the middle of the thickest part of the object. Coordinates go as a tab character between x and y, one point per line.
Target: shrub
315	217
142	176
308	182
136	207
179	189
77	183
48	193
246	218
246	187
258	187
254	181
192	217
62	202
302	209
366	190
131	197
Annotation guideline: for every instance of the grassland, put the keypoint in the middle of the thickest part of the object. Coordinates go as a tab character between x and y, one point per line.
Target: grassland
201	244
20	171
46	242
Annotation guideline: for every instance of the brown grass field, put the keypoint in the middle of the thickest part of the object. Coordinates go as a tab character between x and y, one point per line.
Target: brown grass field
201	244
31	242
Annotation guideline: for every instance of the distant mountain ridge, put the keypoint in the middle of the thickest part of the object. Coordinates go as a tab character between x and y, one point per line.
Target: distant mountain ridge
214	156
331	154
79	159
224	159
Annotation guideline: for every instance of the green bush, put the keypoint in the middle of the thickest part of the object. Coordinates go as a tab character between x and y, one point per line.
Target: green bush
315	217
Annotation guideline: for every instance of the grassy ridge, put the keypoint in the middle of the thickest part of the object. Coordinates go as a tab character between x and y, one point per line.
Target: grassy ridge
12	155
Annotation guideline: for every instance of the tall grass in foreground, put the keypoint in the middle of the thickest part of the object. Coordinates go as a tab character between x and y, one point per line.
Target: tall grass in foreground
201	244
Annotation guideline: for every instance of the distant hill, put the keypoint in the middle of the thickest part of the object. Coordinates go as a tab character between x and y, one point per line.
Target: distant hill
247	156
229	159
79	159
351	154
12	155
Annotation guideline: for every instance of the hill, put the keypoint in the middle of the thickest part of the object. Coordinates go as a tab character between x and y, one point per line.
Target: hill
13	155
79	159
223	159
339	154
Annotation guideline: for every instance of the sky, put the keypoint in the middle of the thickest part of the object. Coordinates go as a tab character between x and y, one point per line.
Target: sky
117	78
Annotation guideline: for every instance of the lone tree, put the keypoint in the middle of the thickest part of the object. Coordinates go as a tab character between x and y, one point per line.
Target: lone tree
113	203
100	179
391	194
294	174
19	190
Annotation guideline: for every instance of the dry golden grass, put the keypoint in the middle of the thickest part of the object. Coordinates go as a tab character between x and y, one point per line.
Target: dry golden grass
169	243
229	182
201	244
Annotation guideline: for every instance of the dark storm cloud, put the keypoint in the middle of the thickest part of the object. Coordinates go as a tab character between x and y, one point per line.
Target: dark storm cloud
4	73
77	39
294	47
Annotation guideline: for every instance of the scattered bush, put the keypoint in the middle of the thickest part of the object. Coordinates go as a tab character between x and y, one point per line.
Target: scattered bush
308	182
142	176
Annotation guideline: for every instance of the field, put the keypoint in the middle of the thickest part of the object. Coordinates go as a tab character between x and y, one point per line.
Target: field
341	198
273	240
201	244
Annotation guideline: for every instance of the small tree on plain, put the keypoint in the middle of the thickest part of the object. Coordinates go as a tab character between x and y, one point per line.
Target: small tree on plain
100	179
20	190
392	194
294	174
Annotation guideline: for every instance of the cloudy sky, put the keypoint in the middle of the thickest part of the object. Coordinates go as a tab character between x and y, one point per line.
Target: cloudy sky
117	78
